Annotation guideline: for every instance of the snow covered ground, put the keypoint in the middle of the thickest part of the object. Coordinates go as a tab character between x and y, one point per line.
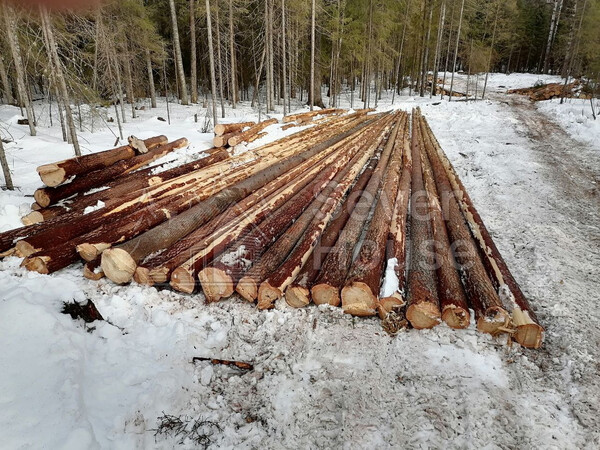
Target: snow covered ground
322	379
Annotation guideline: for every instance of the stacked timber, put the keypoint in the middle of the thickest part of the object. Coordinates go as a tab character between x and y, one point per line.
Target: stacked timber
363	212
551	90
232	134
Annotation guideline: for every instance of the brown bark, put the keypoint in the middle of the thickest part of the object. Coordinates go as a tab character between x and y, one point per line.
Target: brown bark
361	290
50	195
335	267
423	307
59	172
529	332
244	136
224	128
490	315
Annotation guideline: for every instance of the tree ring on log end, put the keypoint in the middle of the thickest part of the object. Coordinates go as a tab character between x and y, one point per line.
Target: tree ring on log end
118	265
297	297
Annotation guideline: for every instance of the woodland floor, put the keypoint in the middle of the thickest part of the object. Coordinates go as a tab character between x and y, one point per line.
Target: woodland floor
322	379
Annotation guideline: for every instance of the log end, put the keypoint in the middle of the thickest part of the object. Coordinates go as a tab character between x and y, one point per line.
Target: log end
37	264
142	276
216	284
456	317
90	252
41	197
358	300
495	321
23	249
297	296
324	294
387	305
159	275
247	289
118	265
51	174
182	280
423	315
35	206
268	295
528	333
32	217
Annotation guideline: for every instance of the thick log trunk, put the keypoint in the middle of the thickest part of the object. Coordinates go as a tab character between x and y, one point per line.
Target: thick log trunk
490	315
300	117
529	332
363	282
284	273
335	267
57	173
244	136
453	301
167	234
222	140
297	294
224	128
423	307
82	183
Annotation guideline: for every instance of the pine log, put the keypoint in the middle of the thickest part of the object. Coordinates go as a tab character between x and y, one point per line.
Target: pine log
490	315
529	331
158	269
222	140
59	172
35	206
334	269
453	301
224	128
165	235
256	137
284	270
396	252
310	114
50	195
297	294
423	309
245	135
361	289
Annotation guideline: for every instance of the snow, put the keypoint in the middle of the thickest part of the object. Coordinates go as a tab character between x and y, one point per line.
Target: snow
390	280
99	205
322	378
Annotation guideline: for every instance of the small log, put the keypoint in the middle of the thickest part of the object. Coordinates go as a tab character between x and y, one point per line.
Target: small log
224	128
245	135
310	114
222	140
334	269
361	290
59	172
423	309
50	195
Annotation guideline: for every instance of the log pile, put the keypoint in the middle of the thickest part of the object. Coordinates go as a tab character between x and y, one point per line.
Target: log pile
232	134
359	211
551	90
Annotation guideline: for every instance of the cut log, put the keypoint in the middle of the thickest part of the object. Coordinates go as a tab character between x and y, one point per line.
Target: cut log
335	267
165	235
284	273
59	172
363	282
256	137
245	135
453	301
224	128
423	309
310	114
50	195
297	294
490	314
529	332
222	140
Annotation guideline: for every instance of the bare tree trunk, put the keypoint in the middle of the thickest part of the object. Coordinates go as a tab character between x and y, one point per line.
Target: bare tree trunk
400	53
552	32
489	63
129	81
424	70
193	63
462	8
283	56
312	55
438	44
5	168
6	87
232	57
178	59
258	74
150	79
448	51
10	24
62	85
115	58
270	57
219	59
211	55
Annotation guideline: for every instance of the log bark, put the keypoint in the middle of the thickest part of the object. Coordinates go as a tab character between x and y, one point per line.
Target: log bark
300	117
335	267
222	140
529	332
165	235
453	301
59	172
284	273
490	315
50	195
423	309
361	290
244	136
297	294
224	128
